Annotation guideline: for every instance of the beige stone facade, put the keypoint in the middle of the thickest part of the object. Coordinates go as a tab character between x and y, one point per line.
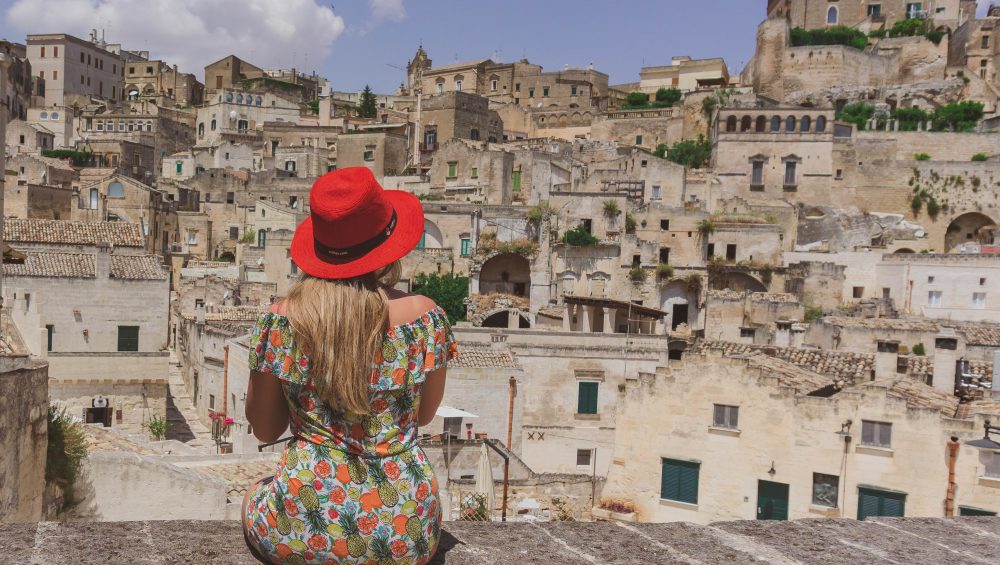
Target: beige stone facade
71	70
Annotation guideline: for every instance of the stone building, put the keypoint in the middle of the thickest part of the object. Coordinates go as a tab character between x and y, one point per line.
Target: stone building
23	137
684	74
160	131
228	72
18	83
239	116
71	70
121	324
384	152
871	14
156	80
757	437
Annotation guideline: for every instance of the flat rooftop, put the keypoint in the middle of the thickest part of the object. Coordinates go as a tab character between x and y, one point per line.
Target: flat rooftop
821	541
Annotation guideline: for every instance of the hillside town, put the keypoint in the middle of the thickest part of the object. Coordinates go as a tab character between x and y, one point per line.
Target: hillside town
709	294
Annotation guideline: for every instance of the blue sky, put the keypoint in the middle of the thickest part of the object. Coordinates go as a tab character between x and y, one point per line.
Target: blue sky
357	42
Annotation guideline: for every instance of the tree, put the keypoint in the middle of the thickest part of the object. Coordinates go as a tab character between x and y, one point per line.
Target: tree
910	119
579	237
449	291
693	154
858	114
908	28
661	150
963	116
668	96
368	106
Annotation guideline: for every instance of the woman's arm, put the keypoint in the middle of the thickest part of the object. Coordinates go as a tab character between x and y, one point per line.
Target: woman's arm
431	393
266	407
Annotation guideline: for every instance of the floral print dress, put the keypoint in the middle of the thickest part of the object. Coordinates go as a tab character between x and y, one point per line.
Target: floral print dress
351	488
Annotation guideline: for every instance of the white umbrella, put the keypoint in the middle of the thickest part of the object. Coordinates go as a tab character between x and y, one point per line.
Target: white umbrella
449	412
484	480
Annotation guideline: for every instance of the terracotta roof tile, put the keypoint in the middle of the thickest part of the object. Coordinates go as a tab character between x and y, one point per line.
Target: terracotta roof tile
81	265
137	267
985	335
851	367
484	357
119	234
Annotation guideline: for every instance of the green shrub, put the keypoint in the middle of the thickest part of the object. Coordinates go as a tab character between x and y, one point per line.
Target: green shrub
813	313
922	157
908	28
661	150
637	274
836	35
693	154
157	427
637	99
916	204
980	157
66	450
919	350
79	158
668	96
877	34
910	119
708	105
579	237
936	36
933	208
630	223
664	271
611	208
961	116
858	114
449	291
706	227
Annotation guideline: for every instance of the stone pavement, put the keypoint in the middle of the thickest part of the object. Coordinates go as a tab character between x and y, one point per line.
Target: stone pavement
820	541
181	414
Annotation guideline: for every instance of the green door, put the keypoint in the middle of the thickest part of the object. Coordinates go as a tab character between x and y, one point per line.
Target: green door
772	501
970	511
876	502
516	179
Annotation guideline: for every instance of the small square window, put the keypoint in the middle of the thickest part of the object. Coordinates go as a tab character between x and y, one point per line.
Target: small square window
638	140
840	174
930	280
211	402
452	169
664	225
748	332
642	164
475	173
725	416
858	292
877	434
982	281
583	457
934	298
979	300
128	338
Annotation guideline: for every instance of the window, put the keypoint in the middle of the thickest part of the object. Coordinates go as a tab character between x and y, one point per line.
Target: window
531	93
874	10
664	225
128	338
726	416
831	16
757	175
572	90
458	86
930	280
369	155
116	190
839	175
83	58
655	193
55	75
466	242
50	330
665	255
979	300
970	511
234	232
982	281
992	468
934	298
440	87
642	164
748	333
825	490
43	51
180	167
679	480
588	225
583	457
820	124
587	398
475	173
290	166
293	268
858	292
805	124
985	42
201	129
230	197
94	197
192	238
730	252
493	84
213	124
877	434
545	91
638	140
211	402
474	134
878	502
790	124
452	169
21	139
775	124
914	9
790	180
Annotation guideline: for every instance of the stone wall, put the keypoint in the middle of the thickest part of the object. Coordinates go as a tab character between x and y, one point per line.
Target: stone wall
24	402
134	401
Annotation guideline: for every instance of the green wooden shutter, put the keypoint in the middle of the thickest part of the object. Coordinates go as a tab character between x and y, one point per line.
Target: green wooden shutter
516	179
892	505
969	511
128	338
874	502
587	399
423	241
465	247
679	480
867	504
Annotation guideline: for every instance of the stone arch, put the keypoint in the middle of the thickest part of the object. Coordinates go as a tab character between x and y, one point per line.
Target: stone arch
738	281
805	124
507	273
680	304
746	123
432	235
904	250
820	124
790	124
731	124
775	124
761	125
568	282
501	319
968	228
832	16
563	120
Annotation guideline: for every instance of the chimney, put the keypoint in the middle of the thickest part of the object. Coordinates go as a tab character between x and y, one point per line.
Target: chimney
102	261
886	358
783	333
946	357
498	341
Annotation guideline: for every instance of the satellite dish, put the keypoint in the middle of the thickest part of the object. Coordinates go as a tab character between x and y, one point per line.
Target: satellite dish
232	115
100	402
919	233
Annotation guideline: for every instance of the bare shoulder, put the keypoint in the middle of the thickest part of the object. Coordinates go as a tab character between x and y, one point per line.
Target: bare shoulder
405	307
277	307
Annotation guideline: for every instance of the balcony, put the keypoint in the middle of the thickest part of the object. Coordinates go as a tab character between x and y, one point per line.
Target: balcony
642	113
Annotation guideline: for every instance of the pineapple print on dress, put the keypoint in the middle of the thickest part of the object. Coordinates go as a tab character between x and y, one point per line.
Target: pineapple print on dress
351	489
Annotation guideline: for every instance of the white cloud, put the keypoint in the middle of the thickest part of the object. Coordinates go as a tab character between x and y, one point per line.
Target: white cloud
385	10
193	33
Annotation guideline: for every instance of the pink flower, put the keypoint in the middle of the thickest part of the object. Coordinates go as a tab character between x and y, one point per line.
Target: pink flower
229	421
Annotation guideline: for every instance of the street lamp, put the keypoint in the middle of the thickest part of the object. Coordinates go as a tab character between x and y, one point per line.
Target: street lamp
986	442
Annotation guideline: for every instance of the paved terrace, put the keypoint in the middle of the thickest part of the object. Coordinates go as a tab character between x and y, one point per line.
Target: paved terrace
888	540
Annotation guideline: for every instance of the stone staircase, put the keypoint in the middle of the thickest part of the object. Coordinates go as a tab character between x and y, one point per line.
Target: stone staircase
182	415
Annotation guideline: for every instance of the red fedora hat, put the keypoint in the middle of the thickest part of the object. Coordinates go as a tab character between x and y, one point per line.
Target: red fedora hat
354	226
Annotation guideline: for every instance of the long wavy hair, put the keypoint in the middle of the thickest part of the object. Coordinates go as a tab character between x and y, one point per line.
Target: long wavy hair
340	324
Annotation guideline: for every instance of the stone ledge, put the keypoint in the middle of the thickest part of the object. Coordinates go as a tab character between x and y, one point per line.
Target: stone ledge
821	541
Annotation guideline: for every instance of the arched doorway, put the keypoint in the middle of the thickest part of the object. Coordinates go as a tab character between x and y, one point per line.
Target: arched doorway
432	236
968	228
679	304
507	273
501	319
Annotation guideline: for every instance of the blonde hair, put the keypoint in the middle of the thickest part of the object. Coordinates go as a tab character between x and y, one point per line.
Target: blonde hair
340	325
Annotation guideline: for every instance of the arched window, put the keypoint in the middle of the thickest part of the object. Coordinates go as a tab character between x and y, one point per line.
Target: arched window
259	100
458	86
149	125
93	198
54	116
761	124
116	190
213	125
831	16
820	124
201	129
746	123
775	124
239	98
805	124
229	97
43	116
790	124
731	124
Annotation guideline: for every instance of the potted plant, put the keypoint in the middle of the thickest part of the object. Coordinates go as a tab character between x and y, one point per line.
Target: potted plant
611	509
